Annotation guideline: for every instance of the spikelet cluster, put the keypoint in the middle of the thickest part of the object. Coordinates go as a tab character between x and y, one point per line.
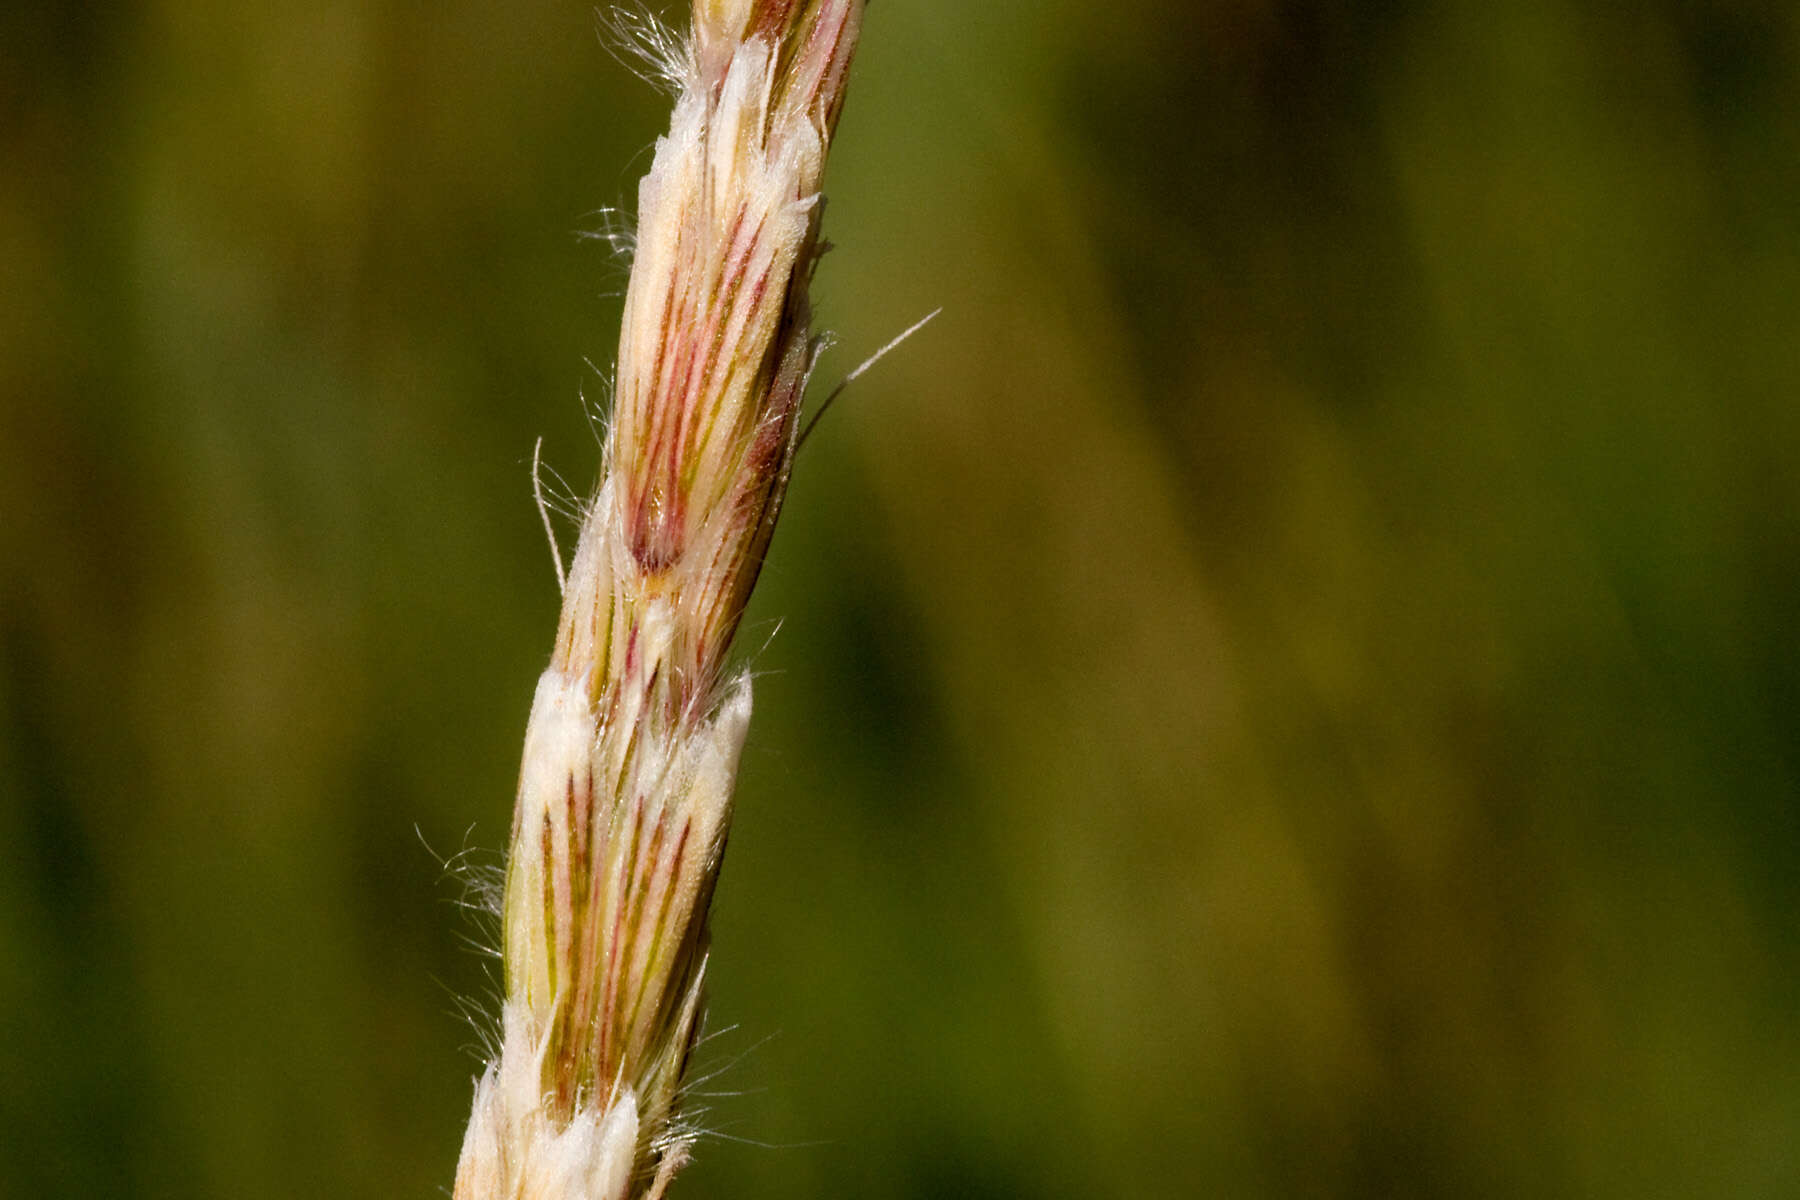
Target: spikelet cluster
631	749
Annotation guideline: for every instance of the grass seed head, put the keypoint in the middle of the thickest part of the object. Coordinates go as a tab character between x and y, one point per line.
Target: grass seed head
631	749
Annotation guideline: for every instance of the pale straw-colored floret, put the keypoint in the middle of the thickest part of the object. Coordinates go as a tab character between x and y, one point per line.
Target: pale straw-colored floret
631	749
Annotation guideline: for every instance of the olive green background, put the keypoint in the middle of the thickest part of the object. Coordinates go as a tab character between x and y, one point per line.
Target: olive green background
1290	687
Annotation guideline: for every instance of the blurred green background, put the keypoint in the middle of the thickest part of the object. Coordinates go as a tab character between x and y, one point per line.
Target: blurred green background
1288	688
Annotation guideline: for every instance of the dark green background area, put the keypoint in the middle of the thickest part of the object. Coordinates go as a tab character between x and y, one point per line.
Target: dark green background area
1290	687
